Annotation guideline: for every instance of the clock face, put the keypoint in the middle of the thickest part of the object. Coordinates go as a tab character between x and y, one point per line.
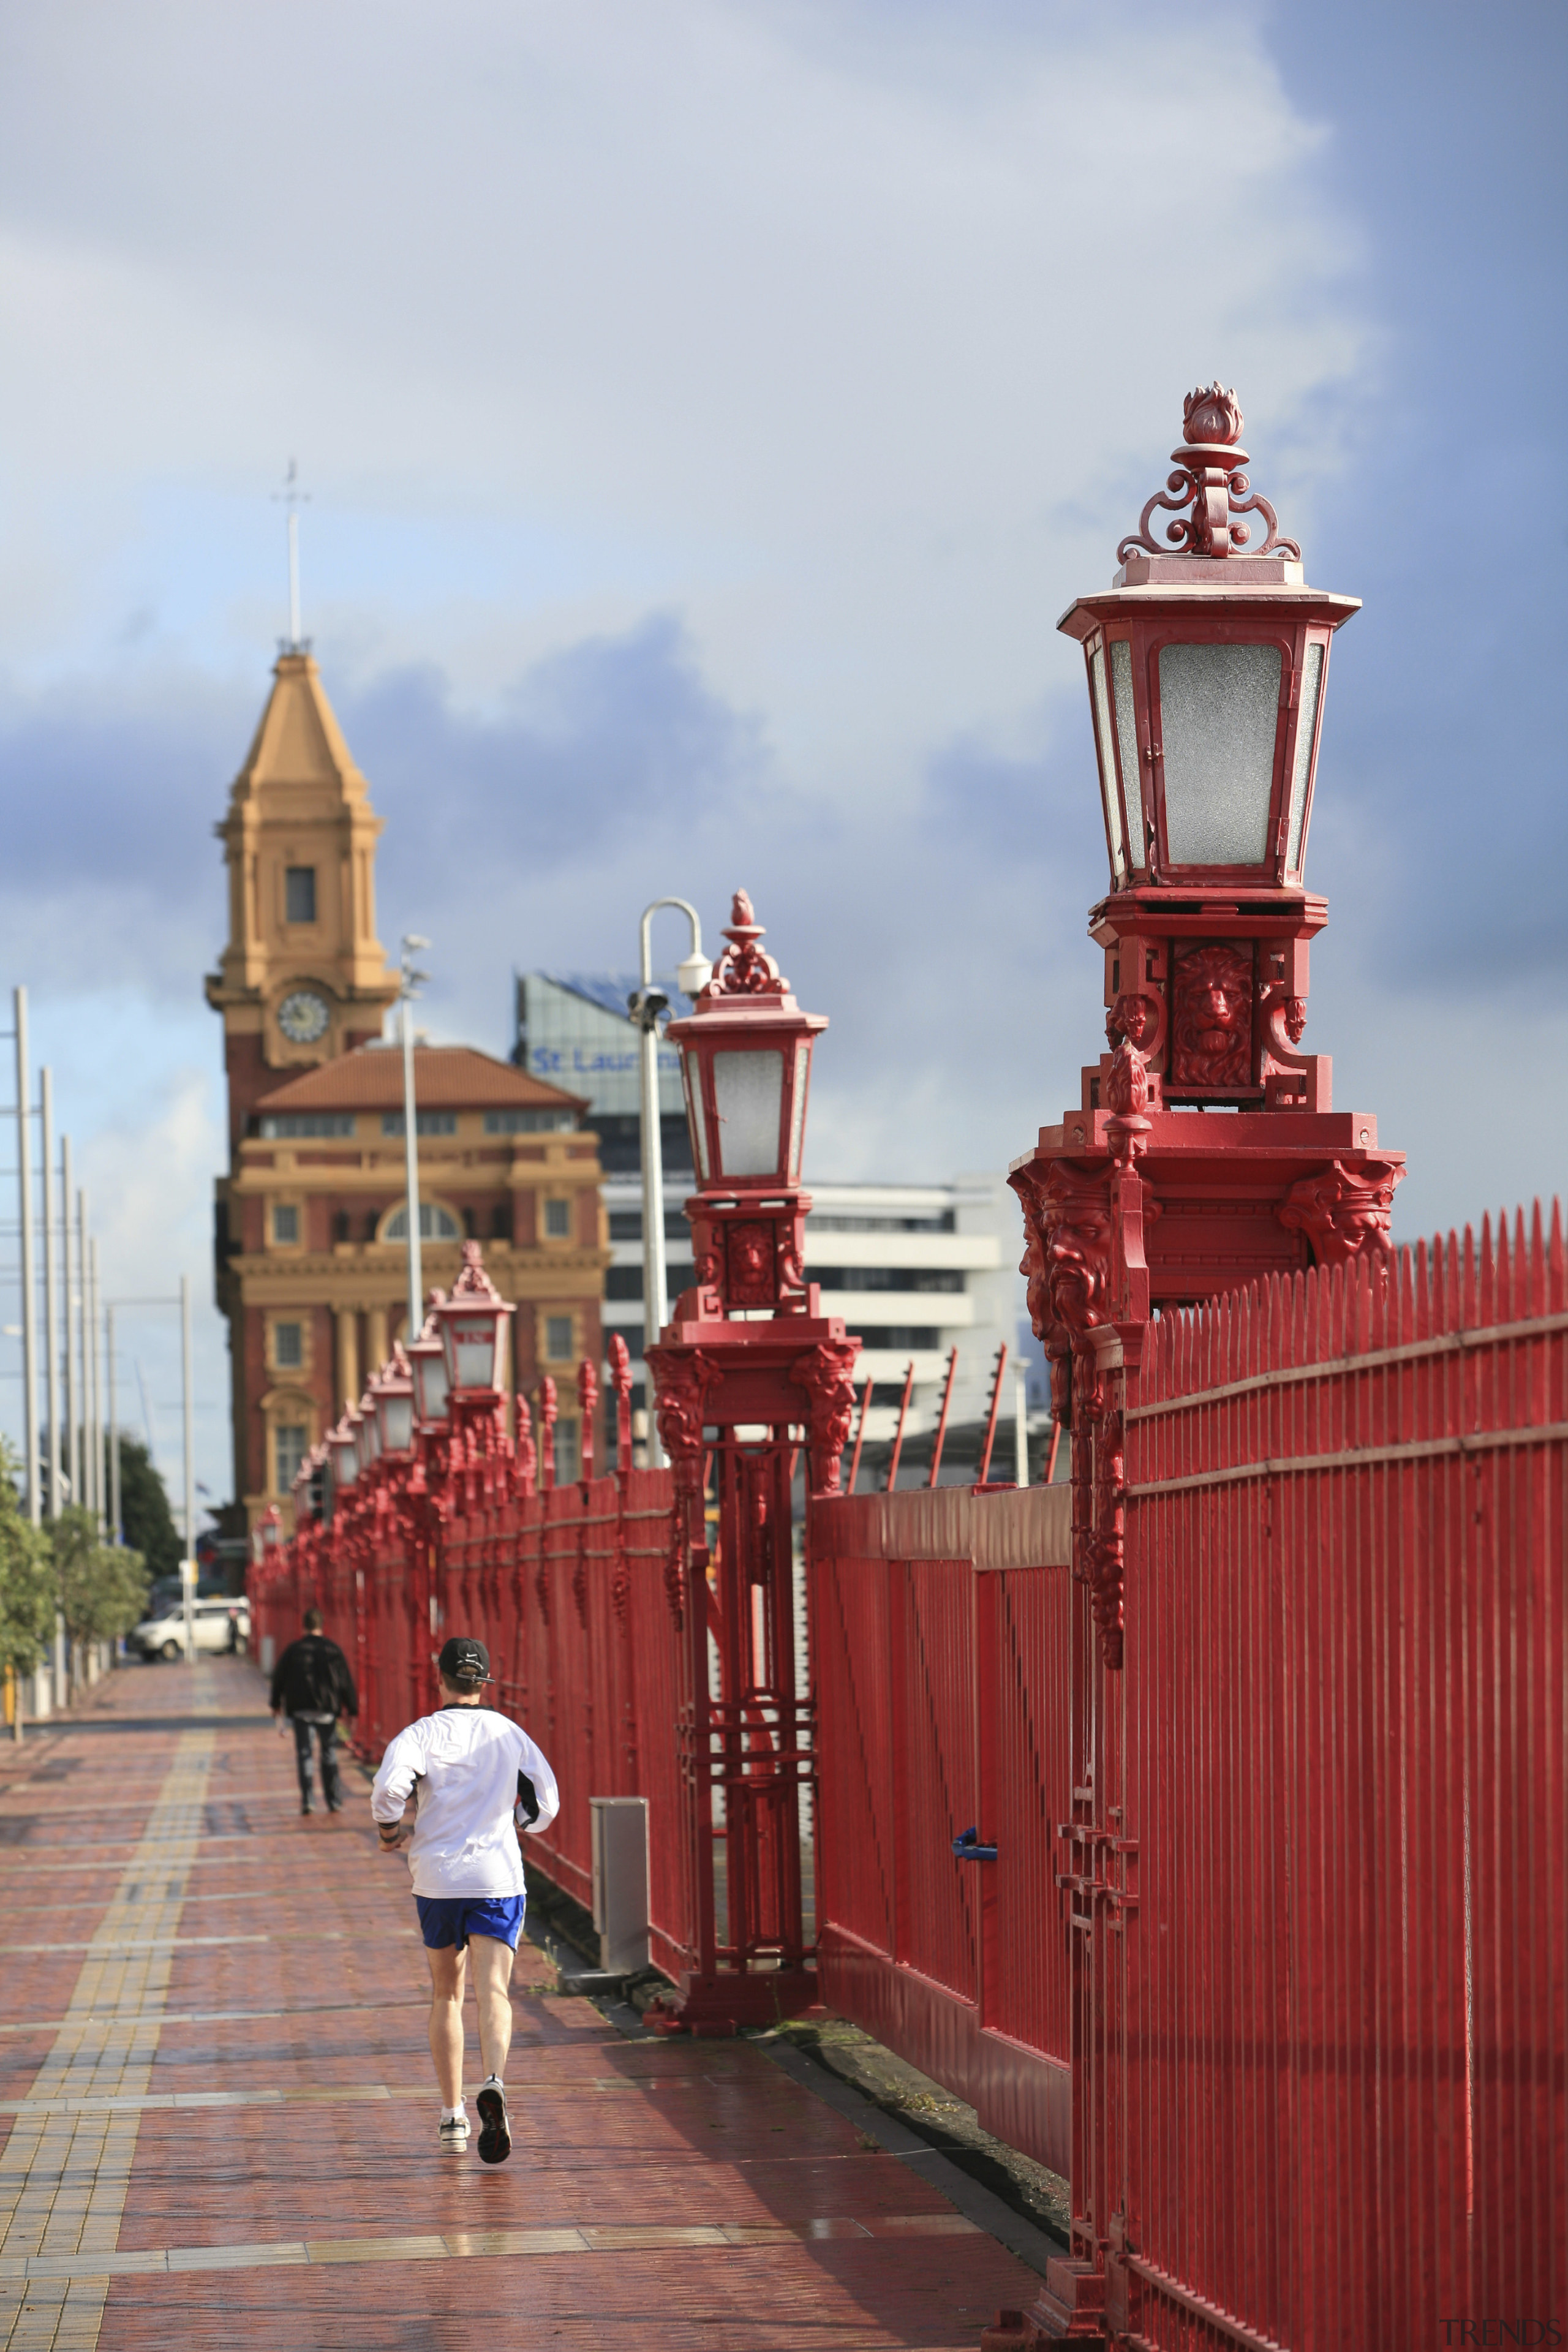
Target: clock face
303	1015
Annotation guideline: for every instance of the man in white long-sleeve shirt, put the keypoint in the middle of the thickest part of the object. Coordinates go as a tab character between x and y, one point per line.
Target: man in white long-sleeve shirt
478	1782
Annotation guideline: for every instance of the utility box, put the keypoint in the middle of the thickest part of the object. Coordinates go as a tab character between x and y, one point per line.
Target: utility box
620	1882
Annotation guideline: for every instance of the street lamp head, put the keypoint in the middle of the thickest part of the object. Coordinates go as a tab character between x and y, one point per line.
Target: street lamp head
342	1456
392	1390
745	1055
692	974
1207	674
427	1370
473	1324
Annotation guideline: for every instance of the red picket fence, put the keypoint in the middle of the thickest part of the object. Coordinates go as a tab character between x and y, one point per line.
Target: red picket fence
940	1626
1328	2078
1288	1889
567	1588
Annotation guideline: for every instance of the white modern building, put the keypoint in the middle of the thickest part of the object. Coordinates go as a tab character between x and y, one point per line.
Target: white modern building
915	1270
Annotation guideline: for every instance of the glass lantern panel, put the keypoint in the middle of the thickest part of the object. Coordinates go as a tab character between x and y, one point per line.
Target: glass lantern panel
430	1386
1219	716
397	1423
1108	764
474	1351
691	1078
748	1090
798	1108
1301	766
1127	739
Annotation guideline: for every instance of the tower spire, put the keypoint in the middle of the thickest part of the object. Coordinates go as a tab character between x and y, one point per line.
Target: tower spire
293	497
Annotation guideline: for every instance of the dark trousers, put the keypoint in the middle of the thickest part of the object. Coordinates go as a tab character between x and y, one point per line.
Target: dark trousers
326	1734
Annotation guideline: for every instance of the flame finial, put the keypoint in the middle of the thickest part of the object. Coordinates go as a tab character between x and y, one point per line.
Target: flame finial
1208	490
746	968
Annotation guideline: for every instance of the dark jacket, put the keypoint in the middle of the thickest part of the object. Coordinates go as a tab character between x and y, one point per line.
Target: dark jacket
313	1677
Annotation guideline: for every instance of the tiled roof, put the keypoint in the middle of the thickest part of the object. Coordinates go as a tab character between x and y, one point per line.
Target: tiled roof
446	1077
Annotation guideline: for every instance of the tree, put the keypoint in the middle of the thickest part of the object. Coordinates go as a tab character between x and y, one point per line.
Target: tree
144	1514
102	1587
27	1580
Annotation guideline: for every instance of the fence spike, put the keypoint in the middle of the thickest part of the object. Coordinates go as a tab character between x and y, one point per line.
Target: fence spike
1554	1257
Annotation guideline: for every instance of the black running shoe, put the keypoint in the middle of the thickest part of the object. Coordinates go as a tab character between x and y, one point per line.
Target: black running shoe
495	2139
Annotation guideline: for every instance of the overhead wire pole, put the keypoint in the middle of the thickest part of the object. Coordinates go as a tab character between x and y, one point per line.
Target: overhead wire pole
116	1530
188	1574
69	1274
94	1387
646	1007
84	1350
29	1260
171	1298
409	985
51	1290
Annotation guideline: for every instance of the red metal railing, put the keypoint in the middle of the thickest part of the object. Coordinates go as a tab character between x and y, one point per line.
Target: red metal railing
939	1623
1335	2112
1308	1957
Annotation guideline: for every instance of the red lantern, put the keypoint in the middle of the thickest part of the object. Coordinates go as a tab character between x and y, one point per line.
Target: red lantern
1206	678
367	1433
472	1324
392	1390
427	1370
745	1057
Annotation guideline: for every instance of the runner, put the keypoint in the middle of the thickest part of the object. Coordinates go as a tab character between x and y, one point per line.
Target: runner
313	1686
478	1782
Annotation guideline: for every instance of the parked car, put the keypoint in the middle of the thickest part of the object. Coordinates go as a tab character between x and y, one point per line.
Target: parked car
220	1623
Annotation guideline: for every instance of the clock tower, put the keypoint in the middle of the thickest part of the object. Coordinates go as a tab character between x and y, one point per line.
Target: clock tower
303	977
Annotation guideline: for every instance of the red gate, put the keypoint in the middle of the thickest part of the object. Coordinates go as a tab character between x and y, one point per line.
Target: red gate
940	1624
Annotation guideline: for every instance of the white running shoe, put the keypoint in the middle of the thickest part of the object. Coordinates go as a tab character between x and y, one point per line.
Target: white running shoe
455	2137
495	2134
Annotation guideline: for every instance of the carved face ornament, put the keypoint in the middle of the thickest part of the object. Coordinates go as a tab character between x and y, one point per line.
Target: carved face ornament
1214	1016
1076	1250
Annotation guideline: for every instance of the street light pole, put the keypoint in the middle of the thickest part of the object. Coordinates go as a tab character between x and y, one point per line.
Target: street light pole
70	1275
116	1530
51	1290
29	1267
408	988
94	1388
188	1571
646	1007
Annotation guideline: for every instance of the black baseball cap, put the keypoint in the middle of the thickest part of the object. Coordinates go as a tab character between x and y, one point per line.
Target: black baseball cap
464	1659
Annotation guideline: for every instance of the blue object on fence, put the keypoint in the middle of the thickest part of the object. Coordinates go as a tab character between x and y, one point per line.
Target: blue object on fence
968	1847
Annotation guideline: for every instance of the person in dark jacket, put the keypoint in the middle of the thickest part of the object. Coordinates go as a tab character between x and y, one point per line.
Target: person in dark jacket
311	1686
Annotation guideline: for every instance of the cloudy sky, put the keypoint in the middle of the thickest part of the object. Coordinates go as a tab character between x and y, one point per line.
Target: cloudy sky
707	407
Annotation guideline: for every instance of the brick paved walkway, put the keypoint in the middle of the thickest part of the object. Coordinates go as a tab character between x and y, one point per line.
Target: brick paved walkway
218	2116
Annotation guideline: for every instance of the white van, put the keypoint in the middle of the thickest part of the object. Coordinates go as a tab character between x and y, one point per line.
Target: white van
217	1624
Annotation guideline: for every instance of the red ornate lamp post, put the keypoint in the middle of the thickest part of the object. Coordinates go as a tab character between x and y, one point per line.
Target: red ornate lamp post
470	1323
1207	677
747	1366
393	1391
1208	669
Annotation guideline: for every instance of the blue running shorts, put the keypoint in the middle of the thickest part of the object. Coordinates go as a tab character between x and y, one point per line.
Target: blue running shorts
452	1918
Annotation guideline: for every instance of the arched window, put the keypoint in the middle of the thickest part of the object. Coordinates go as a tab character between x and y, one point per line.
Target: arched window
436	1223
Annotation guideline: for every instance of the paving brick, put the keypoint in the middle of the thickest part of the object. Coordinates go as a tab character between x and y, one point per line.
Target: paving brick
219	2093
